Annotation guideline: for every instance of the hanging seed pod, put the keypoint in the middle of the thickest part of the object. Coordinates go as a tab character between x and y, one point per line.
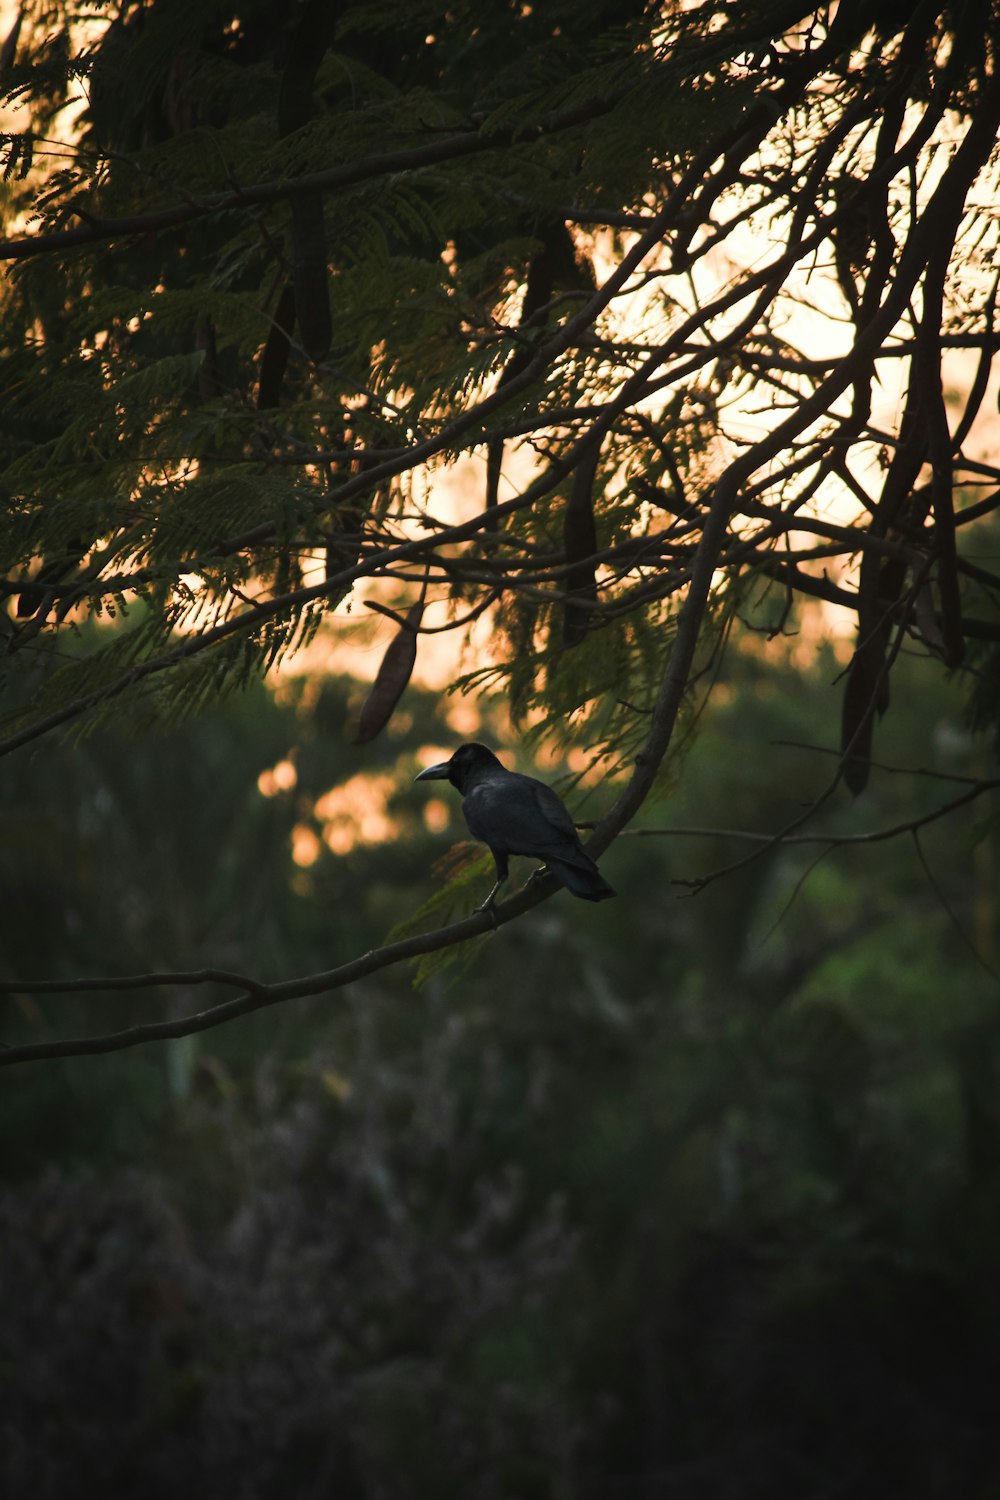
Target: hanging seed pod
393	675
580	542
557	264
208	372
312	294
274	359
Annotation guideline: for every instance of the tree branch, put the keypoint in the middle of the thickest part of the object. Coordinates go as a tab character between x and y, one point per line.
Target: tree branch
350	174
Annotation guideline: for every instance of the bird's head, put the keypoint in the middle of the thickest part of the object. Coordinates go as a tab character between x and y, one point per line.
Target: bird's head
467	766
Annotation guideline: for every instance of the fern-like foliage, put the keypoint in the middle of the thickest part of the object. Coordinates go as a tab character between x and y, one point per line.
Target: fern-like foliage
575	253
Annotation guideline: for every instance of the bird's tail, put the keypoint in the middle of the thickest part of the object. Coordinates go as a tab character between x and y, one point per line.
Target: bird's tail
582	877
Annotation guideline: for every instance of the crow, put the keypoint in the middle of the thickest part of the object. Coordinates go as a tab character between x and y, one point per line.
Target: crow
515	814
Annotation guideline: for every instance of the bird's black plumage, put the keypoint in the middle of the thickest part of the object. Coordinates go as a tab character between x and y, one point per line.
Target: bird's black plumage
515	814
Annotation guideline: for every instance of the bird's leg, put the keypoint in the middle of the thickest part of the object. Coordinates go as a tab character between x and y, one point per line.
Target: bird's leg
491	899
500	860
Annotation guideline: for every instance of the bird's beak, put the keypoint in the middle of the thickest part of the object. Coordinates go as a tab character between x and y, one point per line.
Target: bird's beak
439	772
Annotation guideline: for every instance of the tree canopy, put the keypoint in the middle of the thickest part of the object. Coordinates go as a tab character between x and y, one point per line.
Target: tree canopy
615	323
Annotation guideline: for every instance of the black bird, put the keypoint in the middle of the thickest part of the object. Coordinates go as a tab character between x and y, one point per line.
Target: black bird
516	814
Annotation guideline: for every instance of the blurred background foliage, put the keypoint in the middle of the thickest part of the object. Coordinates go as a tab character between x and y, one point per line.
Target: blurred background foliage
691	1195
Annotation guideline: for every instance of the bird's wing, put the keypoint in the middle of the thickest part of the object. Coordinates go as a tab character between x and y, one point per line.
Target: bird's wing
552	808
521	816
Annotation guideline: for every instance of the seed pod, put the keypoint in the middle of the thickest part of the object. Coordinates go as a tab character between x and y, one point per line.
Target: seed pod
274	359
208	372
312	293
580	542
555	265
392	677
